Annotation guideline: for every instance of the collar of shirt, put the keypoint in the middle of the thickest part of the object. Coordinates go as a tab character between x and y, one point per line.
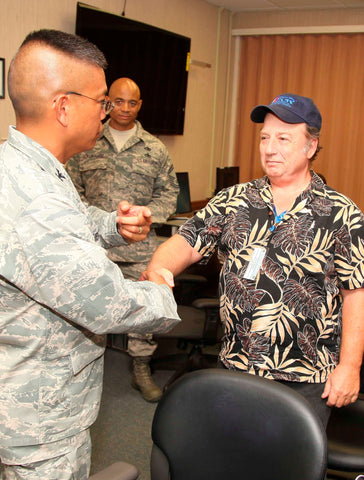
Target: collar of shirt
44	158
137	137
316	187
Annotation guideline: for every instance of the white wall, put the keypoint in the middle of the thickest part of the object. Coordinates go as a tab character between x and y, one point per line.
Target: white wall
198	151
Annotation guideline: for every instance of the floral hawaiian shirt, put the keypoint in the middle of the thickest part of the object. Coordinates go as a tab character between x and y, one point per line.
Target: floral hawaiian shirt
280	280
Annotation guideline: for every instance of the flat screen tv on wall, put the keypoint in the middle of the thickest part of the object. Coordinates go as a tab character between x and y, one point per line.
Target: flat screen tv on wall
156	59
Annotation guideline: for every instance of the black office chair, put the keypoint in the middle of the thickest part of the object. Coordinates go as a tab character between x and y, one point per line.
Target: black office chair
216	424
198	280
200	327
117	471
345	433
198	306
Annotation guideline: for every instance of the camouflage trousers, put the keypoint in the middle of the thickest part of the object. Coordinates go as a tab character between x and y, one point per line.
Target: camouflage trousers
138	345
72	464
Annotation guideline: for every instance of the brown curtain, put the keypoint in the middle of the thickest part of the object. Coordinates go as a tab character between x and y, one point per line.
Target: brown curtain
327	68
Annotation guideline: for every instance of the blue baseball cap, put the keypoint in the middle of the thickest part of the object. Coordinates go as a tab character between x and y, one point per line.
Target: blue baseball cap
291	109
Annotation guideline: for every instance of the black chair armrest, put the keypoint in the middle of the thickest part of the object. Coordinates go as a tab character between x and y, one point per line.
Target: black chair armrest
206	303
117	471
190	277
212	318
188	287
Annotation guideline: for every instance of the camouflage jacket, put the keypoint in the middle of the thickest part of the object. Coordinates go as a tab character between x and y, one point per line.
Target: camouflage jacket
142	173
58	294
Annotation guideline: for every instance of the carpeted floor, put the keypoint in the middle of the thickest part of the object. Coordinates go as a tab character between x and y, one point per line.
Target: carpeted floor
122	430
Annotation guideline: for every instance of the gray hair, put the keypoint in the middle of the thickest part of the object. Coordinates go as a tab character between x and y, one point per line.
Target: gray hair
313	133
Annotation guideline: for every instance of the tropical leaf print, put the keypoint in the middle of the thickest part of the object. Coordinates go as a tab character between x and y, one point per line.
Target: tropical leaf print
255	345
294	236
258	235
316	254
213	228
274	321
343	243
322	206
239	293
329	281
281	366
304	297
237	229
254	198
189	232
307	341
353	275
334	356
284	376
273	270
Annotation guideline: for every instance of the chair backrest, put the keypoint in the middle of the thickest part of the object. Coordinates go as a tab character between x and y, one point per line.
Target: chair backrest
345	433
217	424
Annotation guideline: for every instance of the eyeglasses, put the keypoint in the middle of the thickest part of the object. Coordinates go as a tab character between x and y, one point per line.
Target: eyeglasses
106	105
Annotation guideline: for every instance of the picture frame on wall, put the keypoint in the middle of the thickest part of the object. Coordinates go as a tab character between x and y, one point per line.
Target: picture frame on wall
2	77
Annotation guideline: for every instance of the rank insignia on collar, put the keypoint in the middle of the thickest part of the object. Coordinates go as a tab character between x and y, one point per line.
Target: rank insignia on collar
60	175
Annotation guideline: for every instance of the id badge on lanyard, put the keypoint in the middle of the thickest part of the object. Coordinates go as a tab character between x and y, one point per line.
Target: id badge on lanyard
255	263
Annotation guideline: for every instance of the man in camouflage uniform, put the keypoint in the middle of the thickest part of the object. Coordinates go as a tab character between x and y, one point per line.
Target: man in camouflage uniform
59	292
129	163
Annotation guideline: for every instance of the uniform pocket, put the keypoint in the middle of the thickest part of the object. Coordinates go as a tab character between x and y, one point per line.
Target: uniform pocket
93	163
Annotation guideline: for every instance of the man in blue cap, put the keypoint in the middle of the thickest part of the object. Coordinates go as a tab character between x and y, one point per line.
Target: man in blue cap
291	285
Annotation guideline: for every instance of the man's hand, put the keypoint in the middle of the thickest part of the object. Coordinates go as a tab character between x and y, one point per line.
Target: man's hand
133	221
342	386
155	277
162	272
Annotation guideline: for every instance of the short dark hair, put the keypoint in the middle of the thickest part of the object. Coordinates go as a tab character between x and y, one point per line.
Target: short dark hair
70	44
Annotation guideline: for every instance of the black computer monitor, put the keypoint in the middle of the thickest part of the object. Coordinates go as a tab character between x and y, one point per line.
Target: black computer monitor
156	59
184	197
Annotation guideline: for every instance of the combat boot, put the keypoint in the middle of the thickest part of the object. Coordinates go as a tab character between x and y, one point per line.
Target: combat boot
142	380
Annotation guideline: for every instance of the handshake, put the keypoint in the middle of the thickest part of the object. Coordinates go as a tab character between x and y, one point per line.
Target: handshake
133	224
160	276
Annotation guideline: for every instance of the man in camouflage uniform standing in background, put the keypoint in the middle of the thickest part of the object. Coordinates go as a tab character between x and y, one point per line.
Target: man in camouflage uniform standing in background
129	163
